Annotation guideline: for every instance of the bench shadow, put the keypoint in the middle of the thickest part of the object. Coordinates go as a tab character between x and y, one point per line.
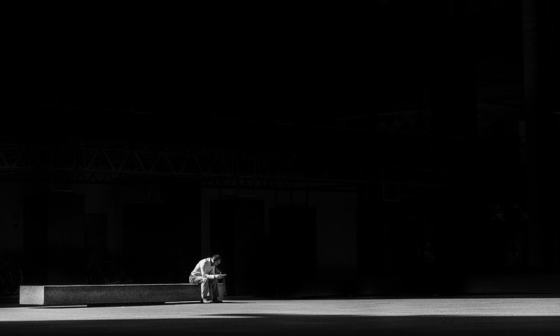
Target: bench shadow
200	303
129	305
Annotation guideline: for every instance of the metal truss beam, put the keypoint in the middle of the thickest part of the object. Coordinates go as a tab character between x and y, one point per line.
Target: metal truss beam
201	165
243	172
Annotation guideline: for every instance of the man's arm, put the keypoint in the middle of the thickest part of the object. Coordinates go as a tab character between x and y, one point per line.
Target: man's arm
203	268
206	265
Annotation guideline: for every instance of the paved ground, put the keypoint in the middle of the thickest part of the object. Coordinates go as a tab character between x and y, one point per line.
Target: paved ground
372	316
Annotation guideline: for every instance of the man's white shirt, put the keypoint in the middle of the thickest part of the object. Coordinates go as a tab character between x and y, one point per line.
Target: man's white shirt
204	269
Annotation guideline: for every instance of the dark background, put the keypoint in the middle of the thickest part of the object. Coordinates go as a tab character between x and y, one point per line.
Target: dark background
438	117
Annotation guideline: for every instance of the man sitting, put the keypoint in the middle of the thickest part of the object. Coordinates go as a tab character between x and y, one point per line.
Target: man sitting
207	275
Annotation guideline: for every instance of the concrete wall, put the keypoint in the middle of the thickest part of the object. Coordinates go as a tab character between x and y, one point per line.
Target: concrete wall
103	199
11	219
98	199
336	234
336	218
336	226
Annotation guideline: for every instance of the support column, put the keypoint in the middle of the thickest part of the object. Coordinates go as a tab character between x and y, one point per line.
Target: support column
542	169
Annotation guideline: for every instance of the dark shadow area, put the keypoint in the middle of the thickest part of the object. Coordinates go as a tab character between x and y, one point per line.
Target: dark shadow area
154	304
241	324
225	302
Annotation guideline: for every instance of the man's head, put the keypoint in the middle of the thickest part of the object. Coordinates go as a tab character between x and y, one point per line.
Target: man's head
216	259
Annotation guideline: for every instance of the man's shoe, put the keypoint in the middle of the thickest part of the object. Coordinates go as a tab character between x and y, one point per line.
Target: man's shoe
207	301
217	301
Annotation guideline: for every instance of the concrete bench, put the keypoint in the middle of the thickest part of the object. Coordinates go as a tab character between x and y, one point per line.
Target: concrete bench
108	294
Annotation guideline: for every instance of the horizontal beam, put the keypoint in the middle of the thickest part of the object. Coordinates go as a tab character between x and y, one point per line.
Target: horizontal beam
185	164
104	165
